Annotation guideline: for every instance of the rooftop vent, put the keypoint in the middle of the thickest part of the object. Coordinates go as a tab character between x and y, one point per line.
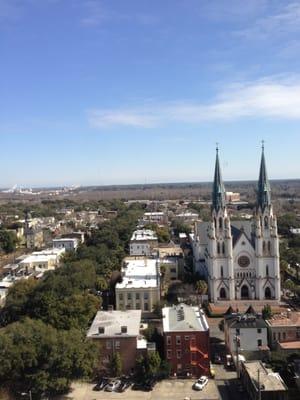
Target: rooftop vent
123	329
101	330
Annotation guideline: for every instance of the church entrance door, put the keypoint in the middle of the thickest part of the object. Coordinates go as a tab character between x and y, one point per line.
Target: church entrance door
245	292
268	293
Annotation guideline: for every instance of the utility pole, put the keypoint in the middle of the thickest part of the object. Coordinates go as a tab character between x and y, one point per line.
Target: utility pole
237	343
258	380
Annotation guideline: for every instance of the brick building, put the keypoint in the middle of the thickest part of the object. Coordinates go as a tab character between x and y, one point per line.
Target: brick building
186	340
284	331
117	331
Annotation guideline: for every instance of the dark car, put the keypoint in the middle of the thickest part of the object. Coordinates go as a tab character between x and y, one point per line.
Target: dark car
146	386
125	384
101	384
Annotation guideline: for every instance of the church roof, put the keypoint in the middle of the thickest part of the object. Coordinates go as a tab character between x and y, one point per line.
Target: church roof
263	189
218	195
240	227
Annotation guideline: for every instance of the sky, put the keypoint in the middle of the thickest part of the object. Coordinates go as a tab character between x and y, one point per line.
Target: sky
97	92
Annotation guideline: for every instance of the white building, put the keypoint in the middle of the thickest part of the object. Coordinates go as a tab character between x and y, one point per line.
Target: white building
239	258
249	330
142	242
42	261
69	244
157	217
140	286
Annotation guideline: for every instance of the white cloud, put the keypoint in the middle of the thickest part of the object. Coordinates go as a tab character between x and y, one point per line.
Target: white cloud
286	20
266	98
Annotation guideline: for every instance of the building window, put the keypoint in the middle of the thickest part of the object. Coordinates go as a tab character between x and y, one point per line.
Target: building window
178	353
121	297
259	330
269	247
259	342
137	306
173	270
267	270
169	353
178	340
187	338
117	344
223	248
220	223
237	331
218	248
222	272
137	296
278	336
193	356
283	335
128	296
274	335
146	296
108	344
146	307
169	340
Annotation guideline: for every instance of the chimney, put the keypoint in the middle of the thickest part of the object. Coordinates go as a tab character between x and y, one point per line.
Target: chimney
123	329
100	330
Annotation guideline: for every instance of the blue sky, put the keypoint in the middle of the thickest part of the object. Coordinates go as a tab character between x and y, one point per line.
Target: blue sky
135	91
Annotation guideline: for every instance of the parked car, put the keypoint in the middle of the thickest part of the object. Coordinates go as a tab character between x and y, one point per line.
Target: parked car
101	384
200	383
146	386
113	386
125	384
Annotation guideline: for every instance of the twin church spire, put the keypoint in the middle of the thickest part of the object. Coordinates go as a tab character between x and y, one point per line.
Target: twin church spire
263	190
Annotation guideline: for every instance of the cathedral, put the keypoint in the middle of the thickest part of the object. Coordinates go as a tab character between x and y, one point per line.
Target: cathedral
240	259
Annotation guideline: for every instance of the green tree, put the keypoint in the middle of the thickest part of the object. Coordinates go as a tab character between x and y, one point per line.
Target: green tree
201	287
267	312
116	364
8	241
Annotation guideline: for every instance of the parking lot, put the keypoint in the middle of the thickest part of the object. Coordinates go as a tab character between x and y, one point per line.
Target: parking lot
167	389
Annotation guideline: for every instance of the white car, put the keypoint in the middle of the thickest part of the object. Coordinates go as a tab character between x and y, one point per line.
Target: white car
112	386
200	383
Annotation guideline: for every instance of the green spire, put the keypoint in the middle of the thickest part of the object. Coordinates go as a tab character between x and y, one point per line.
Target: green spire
218	195
263	190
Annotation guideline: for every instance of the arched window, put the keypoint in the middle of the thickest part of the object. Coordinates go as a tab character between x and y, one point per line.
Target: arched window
266	222
222	293
220	223
268	293
215	222
267	270
223	248
269	247
264	246
218	248
222	272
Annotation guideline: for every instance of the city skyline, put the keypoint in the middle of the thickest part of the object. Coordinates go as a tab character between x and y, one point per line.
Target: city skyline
115	93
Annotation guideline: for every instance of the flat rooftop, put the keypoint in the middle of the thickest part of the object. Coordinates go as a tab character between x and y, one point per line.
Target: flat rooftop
139	273
183	318
143	235
291	318
110	323
269	380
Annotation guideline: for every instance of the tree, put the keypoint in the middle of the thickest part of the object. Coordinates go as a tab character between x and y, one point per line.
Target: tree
8	241
116	364
37	357
267	312
201	287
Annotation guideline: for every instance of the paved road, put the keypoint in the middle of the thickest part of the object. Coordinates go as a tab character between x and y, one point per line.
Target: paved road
226	380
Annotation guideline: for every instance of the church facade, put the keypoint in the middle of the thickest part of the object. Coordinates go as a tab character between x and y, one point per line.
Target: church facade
240	258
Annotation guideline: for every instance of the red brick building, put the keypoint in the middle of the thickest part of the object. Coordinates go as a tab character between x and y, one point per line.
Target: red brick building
118	331
186	340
